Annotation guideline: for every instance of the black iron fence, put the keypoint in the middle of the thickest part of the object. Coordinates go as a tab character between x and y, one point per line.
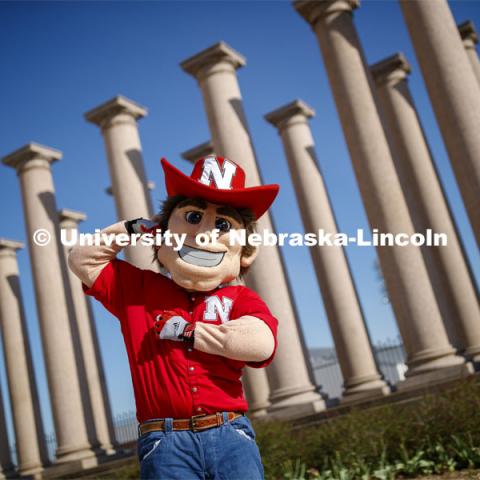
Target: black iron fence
390	357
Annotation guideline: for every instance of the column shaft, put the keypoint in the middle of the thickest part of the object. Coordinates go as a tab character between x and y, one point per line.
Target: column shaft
289	376
454	92
352	343
117	120
449	272
33	168
30	439
85	326
257	390
406	278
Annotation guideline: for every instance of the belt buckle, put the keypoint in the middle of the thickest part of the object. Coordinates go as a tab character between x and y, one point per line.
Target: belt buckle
193	424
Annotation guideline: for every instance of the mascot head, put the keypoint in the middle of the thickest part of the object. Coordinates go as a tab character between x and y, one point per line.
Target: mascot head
212	198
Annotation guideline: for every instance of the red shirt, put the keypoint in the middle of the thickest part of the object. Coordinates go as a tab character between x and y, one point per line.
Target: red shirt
172	379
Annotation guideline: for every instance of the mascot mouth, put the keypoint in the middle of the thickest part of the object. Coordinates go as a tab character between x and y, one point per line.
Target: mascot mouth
200	258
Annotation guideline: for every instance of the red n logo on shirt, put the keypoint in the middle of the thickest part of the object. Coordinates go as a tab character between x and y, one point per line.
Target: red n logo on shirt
214	306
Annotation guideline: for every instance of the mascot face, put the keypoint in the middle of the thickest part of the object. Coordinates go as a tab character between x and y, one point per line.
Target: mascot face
205	267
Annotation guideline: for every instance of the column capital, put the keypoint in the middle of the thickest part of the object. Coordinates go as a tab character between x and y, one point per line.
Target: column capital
314	10
70	218
218	53
390	70
468	34
203	150
29	152
118	105
282	116
10	246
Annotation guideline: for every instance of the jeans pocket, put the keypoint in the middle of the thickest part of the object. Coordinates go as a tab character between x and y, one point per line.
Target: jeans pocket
148	444
243	428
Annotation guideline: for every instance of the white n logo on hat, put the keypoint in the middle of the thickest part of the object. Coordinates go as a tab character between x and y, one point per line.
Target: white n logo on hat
214	306
212	171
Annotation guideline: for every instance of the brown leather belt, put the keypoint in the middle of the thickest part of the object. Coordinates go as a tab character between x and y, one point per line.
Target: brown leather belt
195	423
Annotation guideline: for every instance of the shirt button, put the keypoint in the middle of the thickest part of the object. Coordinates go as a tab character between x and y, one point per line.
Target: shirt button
194	389
190	349
190	313
199	409
191	368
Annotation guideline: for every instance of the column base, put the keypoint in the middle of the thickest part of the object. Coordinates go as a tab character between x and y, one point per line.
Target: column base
104	450
60	470
435	377
109	451
33	471
70	454
258	410
433	359
473	354
376	390
254	407
297	411
261	412
288	397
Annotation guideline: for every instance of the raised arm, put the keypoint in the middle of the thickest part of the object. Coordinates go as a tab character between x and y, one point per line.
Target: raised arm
86	261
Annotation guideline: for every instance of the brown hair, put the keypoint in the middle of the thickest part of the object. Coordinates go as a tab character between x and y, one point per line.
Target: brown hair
168	206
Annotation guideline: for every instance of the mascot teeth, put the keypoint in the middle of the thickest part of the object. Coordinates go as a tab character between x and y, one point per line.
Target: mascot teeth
201	258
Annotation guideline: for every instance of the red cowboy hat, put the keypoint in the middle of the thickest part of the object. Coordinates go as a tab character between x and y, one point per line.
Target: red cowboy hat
219	180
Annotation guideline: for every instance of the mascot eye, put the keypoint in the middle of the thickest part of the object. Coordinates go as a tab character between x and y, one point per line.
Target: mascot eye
193	217
222	225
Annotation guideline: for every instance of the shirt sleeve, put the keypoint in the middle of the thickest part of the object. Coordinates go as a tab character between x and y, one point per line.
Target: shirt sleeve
118	285
249	303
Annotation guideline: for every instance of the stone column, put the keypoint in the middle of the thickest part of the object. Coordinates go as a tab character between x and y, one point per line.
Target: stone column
257	391
254	380
430	357
87	340
454	92
289	375
449	272
469	38
352	343
30	439
32	163
117	120
7	468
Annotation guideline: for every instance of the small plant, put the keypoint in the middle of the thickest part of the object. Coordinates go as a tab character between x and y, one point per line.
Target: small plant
294	471
415	463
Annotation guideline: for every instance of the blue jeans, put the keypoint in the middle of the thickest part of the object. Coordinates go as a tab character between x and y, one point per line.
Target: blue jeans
227	452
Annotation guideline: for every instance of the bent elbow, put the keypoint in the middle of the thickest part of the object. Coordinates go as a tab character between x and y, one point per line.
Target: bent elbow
264	348
75	262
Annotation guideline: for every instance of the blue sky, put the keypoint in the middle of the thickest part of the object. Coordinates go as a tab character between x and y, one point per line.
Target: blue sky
60	59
